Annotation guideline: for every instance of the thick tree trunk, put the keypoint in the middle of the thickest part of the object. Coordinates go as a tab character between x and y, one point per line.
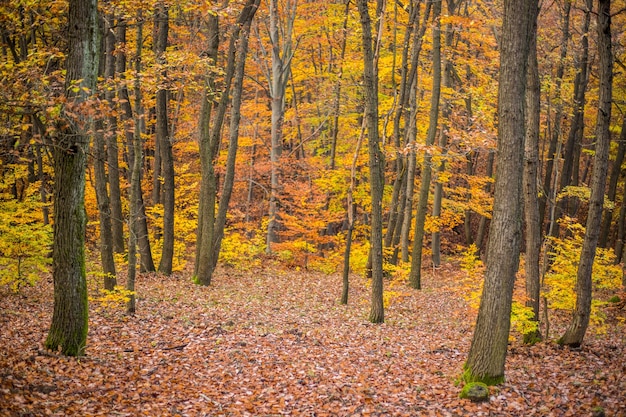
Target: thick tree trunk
489	345
68	330
576	331
531	201
165	146
376	164
415	276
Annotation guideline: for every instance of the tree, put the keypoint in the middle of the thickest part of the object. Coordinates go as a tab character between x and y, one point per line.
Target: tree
575	333
415	277
487	353
278	78
376	158
532	217
164	143
68	330
211	227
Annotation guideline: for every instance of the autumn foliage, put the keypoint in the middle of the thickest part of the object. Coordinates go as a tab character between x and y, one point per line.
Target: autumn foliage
268	337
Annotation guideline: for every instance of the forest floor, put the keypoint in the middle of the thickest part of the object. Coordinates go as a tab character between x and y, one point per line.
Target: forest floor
276	342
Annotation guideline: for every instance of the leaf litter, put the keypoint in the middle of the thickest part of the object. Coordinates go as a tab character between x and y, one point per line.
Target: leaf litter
276	342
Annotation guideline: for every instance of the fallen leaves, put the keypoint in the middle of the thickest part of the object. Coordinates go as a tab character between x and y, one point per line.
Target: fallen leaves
278	343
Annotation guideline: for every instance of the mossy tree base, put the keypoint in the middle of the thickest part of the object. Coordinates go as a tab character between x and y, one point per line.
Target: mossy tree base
475	391
488	380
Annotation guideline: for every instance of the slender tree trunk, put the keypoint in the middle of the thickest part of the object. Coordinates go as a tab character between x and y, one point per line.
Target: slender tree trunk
558	117
282	52
68	330
415	276
376	161
135	194
443	137
351	211
411	135
616	171
104	210
531	202
336	100
206	211
210	228
235	116
115	195
131	123
571	152
482	224
165	145
487	353
575	333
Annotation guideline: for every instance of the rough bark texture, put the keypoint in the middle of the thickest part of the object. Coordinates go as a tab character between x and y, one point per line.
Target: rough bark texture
415	276
576	331
376	164
487	354
68	330
165	146
531	163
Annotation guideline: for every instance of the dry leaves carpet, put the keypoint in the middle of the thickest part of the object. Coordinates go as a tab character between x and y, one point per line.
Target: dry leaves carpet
278	343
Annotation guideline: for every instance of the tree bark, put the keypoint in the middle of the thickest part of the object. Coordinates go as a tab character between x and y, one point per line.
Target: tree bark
616	171
165	144
489	344
68	330
575	333
558	117
210	228
531	177
115	195
376	163
282	52
415	276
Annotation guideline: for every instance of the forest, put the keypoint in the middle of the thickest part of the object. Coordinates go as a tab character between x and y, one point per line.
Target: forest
289	207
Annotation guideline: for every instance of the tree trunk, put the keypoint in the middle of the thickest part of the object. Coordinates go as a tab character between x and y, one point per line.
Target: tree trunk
104	210
531	201
443	137
115	195
571	152
489	345
558	117
165	145
206	255
575	333
68	330
616	171
131	123
482	224
376	163
282	52
415	276
411	135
